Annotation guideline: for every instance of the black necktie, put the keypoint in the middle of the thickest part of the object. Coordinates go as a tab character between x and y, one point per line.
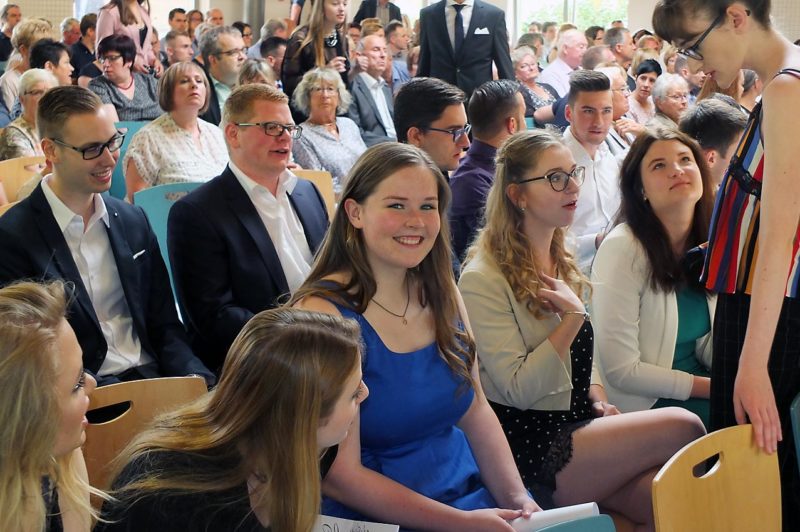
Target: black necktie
458	27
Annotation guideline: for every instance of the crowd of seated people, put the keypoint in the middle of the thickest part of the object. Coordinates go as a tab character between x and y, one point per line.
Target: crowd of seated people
579	310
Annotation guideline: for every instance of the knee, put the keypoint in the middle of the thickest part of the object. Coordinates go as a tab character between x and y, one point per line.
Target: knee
685	426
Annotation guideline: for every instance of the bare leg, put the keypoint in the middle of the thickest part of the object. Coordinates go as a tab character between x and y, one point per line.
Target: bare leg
615	458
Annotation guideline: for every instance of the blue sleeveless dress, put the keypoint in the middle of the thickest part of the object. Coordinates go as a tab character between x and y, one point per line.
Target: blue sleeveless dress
408	430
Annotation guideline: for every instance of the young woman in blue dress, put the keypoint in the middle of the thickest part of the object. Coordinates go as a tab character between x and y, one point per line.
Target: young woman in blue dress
428	452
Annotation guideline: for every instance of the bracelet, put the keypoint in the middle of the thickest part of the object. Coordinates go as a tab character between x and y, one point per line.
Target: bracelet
586	316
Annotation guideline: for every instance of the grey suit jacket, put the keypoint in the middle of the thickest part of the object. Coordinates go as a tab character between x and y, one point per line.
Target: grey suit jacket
364	112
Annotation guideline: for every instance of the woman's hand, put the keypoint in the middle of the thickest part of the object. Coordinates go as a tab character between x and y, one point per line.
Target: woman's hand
489	520
626	125
603	409
158	68
526	504
753	398
559	296
338	63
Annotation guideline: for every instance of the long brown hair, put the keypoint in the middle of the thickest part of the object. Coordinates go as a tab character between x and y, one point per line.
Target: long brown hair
667	272
503	237
281	379
316	33
344	252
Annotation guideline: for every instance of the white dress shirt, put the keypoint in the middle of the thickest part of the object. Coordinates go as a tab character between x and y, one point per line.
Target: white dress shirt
91	251
282	224
556	74
450	18
599	197
375	87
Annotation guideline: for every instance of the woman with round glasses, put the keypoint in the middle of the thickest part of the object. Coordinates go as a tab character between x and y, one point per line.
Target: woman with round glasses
329	142
652	316
526	69
755	371
132	96
671	99
524	294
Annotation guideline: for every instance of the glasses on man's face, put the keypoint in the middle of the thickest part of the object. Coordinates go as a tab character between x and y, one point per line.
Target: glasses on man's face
456	133
96	150
678	97
109	58
234	52
559	180
693	52
276	129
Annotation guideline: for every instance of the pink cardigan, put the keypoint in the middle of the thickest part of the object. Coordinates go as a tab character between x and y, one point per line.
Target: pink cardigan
109	23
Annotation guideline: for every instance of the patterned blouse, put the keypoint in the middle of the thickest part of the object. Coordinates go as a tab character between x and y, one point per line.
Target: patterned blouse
20	139
319	149
143	106
163	152
533	101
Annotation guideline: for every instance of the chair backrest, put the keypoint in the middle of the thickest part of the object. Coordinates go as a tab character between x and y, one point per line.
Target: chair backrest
795	415
595	523
14	174
741	491
324	182
118	188
156	202
4	208
148	398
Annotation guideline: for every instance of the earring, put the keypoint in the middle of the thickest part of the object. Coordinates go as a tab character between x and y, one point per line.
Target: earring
522	209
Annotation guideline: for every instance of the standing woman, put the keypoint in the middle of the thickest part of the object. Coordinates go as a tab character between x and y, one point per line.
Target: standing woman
320	43
428	452
131	18
44	393
756	369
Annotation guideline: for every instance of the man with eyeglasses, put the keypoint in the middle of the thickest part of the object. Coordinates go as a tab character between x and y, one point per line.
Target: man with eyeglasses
223	54
123	312
244	240
590	112
429	113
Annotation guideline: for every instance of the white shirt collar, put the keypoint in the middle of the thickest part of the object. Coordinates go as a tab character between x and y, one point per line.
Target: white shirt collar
286	181
372	83
602	149
453	2
64	215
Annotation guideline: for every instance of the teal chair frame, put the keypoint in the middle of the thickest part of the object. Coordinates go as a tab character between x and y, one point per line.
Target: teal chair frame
596	523
118	188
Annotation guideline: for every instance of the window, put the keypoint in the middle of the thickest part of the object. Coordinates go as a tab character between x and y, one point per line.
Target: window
582	13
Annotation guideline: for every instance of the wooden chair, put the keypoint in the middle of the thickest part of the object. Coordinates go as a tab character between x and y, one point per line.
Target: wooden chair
324	182
740	492
14	174
4	208
146	399
596	523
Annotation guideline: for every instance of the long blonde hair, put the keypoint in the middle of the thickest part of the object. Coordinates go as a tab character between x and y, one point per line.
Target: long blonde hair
316	33
281	379
31	315
503	238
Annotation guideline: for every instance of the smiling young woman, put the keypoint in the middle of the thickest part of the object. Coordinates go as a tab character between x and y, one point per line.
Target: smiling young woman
755	372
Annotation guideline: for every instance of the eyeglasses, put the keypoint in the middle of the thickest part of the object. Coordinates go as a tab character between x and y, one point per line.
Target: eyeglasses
246	35
275	129
559	180
624	90
110	57
235	51
693	52
678	97
329	90
35	92
456	133
96	150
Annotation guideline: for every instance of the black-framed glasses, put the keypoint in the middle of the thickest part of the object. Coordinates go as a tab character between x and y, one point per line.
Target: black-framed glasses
559	180
456	133
235	51
108	58
693	52
276	129
96	150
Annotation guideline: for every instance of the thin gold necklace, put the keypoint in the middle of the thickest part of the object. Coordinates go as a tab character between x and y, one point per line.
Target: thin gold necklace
405	311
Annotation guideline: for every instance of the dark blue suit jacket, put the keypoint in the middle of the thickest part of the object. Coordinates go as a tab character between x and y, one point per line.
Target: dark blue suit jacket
33	247
473	64
225	266
369	8
364	112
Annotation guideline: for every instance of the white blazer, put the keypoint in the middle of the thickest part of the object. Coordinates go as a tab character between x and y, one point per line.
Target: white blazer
636	327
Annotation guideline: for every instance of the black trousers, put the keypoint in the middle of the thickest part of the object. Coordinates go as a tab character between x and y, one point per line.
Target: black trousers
730	325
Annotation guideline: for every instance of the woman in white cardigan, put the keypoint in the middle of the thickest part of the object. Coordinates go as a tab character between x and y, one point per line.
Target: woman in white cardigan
652	317
523	294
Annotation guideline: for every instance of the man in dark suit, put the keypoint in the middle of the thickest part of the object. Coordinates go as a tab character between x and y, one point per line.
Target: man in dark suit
385	10
459	40
245	239
371	108
223	54
123	312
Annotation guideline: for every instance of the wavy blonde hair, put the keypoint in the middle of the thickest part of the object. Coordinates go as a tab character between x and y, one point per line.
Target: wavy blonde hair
281	380
503	238
31	315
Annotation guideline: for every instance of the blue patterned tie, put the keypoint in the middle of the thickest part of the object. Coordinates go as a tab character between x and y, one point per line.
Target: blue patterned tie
459	27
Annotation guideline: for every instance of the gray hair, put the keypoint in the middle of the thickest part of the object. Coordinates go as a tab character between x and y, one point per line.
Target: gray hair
270	27
570	38
312	78
209	40
36	75
520	53
252	69
665	82
69	22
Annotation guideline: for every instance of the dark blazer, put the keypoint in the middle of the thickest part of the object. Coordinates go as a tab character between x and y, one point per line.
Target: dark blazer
369	8
473	65
214	112
33	247
364	112
225	266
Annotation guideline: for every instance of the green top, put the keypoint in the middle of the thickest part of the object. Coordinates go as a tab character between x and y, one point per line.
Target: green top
694	322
